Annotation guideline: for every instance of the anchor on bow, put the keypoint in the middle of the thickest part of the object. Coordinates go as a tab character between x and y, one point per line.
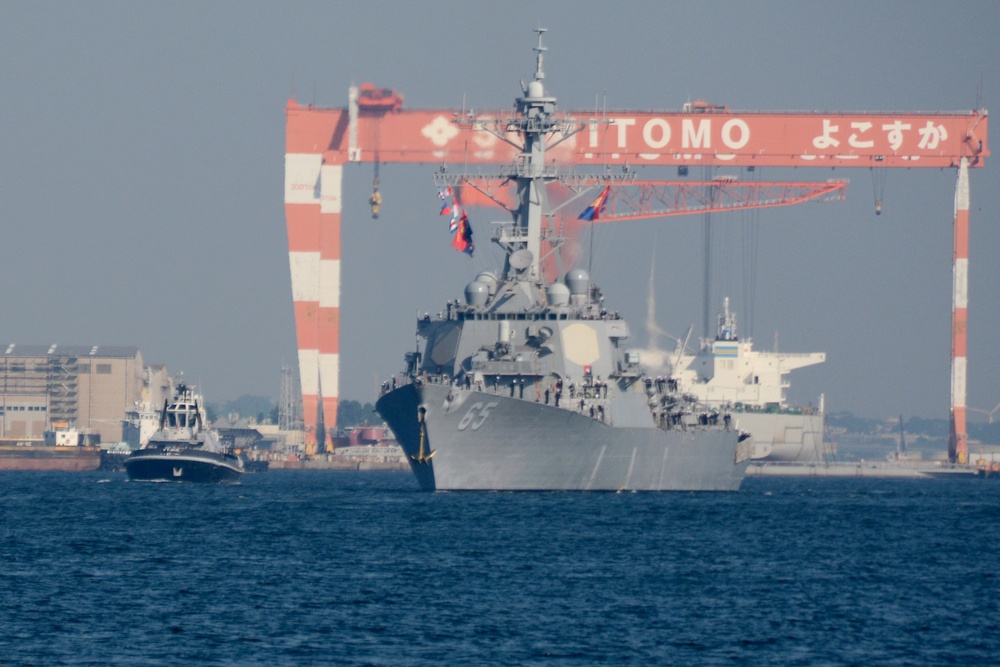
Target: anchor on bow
421	457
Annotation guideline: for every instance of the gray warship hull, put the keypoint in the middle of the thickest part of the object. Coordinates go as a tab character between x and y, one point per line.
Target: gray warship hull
479	440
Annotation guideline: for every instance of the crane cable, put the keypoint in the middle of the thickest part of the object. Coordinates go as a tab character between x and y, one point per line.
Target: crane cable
375	201
878	187
751	231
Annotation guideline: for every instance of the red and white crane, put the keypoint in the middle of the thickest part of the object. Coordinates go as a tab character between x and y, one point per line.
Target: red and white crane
375	128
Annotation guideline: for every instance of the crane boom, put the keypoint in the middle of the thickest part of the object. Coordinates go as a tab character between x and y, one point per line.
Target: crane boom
631	199
655	199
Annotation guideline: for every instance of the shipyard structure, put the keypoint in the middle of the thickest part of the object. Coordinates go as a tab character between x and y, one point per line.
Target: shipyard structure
375	128
97	390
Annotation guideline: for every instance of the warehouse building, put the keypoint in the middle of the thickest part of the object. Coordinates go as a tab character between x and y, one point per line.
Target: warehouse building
91	388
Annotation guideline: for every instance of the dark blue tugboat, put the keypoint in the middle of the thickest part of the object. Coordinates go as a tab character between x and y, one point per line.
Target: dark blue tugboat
182	449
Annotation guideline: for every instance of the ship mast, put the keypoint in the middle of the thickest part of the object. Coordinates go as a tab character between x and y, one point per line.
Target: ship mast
532	131
534	123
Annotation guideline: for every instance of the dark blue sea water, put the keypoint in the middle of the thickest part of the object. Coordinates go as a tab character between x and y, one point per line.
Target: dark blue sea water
332	568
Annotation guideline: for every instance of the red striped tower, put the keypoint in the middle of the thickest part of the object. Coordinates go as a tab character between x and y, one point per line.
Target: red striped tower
302	219
958	446
331	179
313	218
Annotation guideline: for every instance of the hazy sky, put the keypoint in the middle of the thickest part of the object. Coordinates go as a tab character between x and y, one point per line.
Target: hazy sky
142	174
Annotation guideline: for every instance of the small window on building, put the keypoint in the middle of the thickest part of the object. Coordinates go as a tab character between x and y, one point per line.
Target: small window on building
104	369
83	368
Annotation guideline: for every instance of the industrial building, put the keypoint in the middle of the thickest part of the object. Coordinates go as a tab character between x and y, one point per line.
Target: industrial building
87	387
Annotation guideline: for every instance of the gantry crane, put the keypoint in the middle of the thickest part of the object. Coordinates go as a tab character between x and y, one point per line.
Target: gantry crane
377	129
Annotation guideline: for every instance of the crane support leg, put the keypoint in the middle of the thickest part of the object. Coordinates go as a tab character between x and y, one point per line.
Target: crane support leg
958	446
313	216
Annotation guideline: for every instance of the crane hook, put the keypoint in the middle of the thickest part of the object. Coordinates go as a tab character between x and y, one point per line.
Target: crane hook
375	200
878	187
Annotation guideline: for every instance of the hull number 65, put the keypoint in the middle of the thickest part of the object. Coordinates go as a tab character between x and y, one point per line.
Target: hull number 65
476	415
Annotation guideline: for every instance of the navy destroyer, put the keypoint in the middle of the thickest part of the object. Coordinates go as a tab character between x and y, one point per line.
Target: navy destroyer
182	449
529	384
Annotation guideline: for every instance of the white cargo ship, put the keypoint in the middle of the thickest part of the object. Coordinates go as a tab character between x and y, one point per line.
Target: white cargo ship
727	373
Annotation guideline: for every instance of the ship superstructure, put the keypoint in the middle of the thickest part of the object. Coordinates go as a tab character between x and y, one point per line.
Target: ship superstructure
183	449
726	373
529	384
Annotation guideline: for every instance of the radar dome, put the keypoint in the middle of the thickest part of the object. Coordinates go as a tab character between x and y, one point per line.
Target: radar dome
476	293
578	281
536	89
558	294
489	279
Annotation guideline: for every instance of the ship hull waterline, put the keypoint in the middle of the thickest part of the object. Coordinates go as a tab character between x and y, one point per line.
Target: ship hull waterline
479	440
196	467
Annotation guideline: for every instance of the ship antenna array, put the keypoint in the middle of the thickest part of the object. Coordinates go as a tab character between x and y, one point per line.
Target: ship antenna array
537	129
539	50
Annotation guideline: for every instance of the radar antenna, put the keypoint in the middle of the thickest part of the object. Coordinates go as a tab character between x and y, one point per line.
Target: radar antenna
539	73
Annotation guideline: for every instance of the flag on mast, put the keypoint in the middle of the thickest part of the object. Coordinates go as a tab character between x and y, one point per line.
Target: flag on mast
596	208
462	241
